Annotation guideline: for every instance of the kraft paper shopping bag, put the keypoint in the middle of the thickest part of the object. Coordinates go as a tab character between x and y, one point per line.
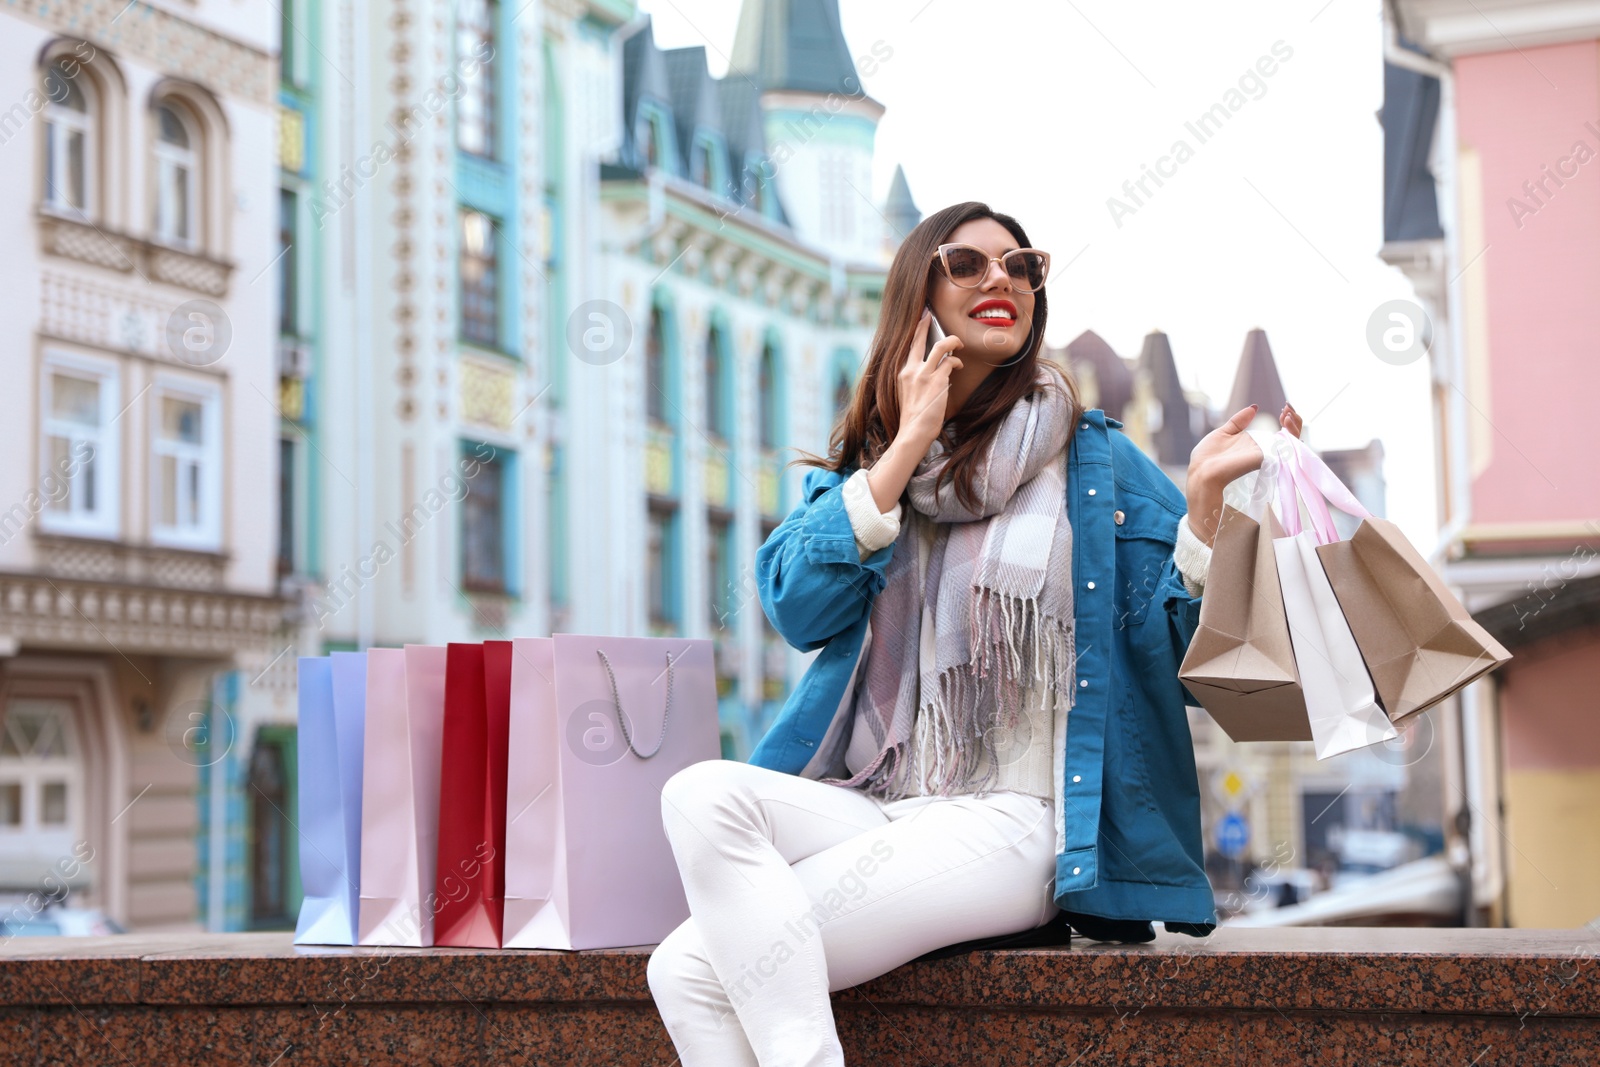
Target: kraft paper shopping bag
628	713
472	795
400	812
1240	663
329	763
1419	642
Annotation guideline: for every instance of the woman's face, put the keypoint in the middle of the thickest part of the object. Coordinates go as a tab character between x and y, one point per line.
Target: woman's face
992	320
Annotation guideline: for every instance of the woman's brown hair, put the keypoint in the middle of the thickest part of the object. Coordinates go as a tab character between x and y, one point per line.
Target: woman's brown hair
869	422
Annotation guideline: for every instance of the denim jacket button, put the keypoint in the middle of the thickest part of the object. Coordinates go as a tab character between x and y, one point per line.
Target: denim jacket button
1117	516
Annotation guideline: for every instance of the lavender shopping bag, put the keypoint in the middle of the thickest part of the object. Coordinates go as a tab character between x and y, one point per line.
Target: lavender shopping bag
595	870
400	809
331	721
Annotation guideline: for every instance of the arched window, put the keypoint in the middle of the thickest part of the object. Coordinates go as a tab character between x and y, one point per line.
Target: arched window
177	149
69	138
767	388
655	375
716	385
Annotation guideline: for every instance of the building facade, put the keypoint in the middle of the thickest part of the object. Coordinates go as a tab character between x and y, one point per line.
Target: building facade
137	592
1491	212
543	333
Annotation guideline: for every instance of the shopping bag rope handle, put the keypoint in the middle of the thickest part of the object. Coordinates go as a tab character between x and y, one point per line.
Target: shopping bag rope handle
622	720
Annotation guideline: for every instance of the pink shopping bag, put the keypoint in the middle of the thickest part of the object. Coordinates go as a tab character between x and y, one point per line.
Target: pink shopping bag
400	801
598	725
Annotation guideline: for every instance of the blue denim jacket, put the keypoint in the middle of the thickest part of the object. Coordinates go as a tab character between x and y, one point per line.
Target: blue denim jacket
1129	841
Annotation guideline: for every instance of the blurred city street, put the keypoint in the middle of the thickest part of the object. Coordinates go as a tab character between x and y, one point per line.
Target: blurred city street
350	324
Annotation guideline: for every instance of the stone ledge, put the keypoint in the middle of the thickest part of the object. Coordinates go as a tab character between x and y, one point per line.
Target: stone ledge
1357	996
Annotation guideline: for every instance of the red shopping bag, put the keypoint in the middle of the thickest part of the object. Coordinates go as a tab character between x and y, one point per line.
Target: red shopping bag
472	795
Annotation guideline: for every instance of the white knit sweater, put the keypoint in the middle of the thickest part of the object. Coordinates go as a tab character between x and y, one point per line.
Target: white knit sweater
1028	758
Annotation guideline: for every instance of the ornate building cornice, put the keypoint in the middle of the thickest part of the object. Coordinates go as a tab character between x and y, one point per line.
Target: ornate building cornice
43	612
172	44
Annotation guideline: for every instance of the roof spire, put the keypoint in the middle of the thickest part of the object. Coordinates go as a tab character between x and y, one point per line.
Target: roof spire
794	44
899	210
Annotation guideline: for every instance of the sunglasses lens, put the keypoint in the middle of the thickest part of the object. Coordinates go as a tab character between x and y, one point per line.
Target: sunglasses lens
965	265
1026	269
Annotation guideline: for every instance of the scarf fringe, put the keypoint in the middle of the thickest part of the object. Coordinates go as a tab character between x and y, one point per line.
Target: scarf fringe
954	737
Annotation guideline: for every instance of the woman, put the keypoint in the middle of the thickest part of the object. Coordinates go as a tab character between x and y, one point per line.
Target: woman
995	694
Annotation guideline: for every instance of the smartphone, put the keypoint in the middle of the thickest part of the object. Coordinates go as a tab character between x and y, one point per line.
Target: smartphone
935	334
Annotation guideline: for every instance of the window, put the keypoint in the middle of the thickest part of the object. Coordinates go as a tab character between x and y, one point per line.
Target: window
186	468
841	392
704	170
68	139
661	570
175	176
78	483
475	108
719	569
716	386
483	526
767	387
288	274
480	296
753	187
286	509
649	148
273	835
41	784
655	371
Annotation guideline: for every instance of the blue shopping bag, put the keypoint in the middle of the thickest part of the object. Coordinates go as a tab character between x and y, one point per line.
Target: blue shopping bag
332	724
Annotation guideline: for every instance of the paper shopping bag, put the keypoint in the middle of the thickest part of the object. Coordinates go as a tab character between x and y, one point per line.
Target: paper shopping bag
332	696
400	809
535	915
1419	642
627	714
1240	663
472	794
1340	699
1340	702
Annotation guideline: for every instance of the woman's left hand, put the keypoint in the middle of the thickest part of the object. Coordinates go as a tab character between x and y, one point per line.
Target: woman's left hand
1226	453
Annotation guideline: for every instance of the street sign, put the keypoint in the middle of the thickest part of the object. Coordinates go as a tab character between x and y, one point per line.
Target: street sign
1229	786
1233	834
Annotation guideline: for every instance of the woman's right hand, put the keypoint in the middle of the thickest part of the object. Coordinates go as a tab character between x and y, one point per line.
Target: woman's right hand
923	386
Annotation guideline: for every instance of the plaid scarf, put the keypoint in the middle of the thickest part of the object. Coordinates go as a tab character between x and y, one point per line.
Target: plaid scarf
992	614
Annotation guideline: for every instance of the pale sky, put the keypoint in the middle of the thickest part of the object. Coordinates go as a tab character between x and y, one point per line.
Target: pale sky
1044	108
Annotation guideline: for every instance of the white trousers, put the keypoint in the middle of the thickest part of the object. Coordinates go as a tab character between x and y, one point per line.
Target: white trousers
797	888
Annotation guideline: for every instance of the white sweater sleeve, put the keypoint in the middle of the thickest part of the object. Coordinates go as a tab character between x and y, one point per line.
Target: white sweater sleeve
1193	557
873	529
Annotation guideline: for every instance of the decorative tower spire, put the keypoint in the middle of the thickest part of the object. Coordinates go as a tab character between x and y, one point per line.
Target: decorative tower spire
820	123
